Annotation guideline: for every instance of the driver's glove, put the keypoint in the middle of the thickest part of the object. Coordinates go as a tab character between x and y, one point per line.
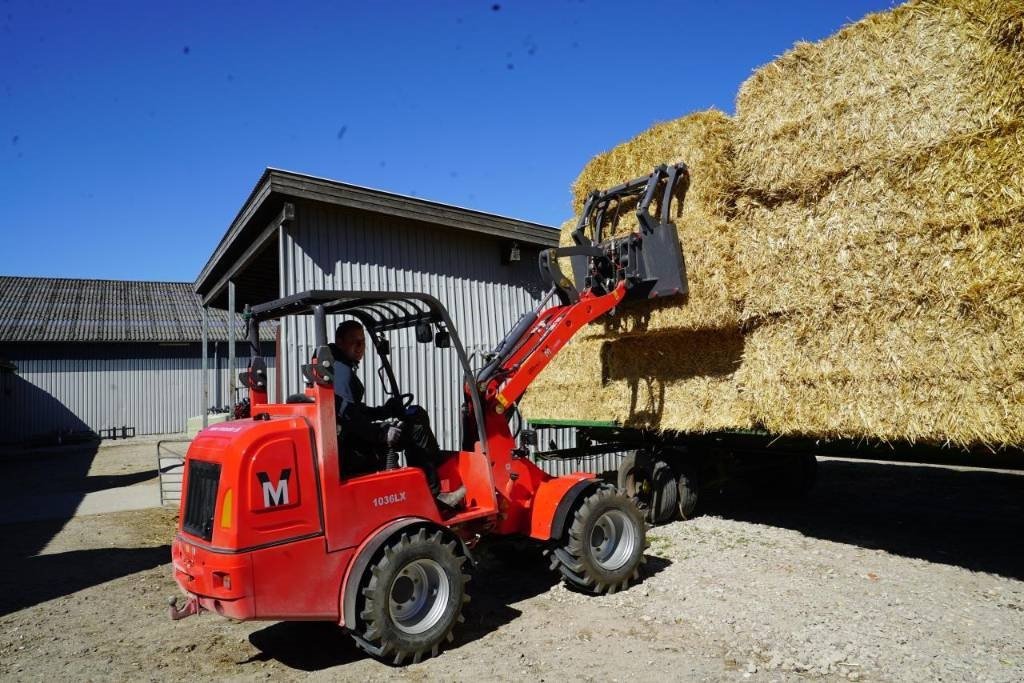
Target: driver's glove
393	406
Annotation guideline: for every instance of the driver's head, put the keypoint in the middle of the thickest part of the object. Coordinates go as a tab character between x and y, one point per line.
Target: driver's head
350	338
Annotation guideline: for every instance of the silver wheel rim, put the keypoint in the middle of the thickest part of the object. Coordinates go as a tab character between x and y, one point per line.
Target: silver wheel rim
612	540
419	596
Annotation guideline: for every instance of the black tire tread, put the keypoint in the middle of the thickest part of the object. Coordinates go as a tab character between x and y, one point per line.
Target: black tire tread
376	636
571	558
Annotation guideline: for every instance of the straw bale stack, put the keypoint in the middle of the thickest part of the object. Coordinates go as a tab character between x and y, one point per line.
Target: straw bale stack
703	140
872	256
889	85
926	378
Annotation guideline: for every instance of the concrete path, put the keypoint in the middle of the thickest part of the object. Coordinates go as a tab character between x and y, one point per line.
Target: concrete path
66	505
86	479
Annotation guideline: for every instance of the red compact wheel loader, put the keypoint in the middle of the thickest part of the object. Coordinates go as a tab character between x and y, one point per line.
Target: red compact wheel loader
275	524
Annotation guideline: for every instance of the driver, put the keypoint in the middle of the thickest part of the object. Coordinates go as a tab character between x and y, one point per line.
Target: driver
364	435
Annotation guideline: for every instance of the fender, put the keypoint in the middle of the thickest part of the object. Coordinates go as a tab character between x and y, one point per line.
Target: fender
368	550
553	501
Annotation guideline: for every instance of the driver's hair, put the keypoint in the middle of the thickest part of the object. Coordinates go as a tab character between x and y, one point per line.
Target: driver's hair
345	327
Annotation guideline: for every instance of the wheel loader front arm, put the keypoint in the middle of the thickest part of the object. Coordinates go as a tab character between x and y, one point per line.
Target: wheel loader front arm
542	341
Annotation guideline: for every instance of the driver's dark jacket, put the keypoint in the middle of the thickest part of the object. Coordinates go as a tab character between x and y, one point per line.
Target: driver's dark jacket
355	418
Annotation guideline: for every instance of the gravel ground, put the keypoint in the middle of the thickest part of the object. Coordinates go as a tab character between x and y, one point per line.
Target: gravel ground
885	572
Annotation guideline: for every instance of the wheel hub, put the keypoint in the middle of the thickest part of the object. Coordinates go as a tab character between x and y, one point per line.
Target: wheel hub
613	540
418	596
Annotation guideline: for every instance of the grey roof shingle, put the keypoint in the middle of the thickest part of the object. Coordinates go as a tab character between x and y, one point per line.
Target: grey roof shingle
42	309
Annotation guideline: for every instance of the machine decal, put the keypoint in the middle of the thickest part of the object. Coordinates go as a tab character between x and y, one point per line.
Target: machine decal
389	499
274	495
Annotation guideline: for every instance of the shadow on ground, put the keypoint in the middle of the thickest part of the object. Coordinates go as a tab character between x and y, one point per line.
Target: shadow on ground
28	581
968	518
51	483
40	473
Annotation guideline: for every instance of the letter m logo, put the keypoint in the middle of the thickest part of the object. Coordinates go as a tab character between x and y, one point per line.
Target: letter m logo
274	495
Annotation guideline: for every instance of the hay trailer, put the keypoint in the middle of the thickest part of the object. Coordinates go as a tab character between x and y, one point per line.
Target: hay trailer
667	472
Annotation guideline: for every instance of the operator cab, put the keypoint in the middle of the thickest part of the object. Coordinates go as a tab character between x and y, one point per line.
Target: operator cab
382	314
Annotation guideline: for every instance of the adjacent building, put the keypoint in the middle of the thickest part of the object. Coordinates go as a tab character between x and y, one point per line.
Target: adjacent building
106	357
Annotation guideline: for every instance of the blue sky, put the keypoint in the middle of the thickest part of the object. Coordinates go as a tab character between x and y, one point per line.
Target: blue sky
131	133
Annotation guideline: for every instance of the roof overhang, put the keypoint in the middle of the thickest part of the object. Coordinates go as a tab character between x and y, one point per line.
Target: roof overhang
251	240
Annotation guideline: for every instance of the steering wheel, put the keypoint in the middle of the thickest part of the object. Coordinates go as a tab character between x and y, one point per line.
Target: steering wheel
405	400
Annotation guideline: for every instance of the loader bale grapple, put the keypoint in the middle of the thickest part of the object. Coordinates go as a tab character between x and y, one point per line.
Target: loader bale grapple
650	261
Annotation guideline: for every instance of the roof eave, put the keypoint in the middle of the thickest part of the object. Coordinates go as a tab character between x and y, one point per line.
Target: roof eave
288	184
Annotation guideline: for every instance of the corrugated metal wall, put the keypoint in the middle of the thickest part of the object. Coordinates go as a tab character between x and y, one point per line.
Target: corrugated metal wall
332	248
154	388
605	462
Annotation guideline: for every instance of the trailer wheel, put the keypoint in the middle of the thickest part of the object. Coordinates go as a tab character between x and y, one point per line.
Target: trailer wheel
686	485
603	548
413	598
652	484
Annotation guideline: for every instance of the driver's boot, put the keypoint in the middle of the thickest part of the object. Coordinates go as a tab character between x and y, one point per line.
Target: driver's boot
449	499
452	499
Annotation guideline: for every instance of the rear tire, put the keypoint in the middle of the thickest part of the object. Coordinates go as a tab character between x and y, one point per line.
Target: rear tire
651	484
413	598
686	485
603	548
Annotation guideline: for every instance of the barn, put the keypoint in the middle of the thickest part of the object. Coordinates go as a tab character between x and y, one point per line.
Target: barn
106	357
297	232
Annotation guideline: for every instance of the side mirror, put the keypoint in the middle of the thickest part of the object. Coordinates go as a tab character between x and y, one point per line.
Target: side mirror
442	339
384	347
424	333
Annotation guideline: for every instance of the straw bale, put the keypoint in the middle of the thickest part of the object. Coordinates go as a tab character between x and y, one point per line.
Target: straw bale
682	380
703	141
923	378
940	229
890	84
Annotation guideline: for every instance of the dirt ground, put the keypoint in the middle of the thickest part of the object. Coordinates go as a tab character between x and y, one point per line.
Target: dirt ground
885	572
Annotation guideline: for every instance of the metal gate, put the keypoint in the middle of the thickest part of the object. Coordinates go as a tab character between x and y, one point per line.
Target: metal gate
170	463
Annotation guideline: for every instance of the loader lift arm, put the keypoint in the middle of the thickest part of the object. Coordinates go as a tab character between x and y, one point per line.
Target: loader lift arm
536	346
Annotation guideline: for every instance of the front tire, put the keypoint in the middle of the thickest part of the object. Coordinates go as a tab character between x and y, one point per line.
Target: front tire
413	597
602	550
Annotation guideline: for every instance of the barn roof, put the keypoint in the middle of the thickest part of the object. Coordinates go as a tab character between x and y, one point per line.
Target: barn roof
43	309
250	242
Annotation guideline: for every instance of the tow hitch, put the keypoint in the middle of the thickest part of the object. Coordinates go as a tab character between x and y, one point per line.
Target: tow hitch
190	607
